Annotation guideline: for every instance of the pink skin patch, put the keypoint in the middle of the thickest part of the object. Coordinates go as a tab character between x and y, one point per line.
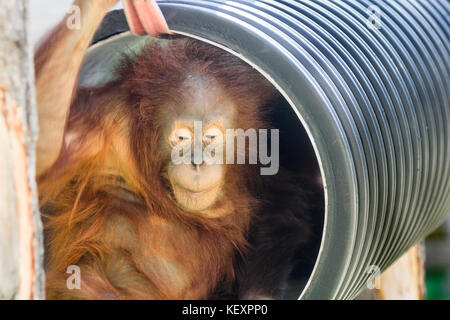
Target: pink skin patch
145	17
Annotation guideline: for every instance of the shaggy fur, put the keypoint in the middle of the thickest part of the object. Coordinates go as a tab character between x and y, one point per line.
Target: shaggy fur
108	207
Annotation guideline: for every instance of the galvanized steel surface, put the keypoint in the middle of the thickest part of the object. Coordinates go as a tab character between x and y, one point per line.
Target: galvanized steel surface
374	102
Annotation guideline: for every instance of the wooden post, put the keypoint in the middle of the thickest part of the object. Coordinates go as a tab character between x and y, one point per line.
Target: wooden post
403	280
21	250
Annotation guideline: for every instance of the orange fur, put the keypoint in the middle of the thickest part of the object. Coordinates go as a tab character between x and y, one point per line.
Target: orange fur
106	204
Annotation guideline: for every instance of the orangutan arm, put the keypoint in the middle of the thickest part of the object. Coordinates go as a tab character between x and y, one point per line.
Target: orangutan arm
57	62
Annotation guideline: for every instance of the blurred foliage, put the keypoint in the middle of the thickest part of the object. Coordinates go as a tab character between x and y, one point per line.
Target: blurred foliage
438	284
437	279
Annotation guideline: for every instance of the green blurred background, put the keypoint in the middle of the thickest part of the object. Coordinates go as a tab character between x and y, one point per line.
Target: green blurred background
437	264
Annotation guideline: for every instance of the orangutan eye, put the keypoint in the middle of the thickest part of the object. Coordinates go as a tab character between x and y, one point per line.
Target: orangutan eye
181	135
212	134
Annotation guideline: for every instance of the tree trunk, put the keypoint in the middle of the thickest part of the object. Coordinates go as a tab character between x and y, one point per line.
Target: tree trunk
21	250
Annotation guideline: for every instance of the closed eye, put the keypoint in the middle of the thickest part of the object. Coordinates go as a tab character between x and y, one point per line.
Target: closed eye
212	135
181	135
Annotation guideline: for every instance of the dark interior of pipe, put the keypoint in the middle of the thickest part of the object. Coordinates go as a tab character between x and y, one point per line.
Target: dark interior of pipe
297	154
